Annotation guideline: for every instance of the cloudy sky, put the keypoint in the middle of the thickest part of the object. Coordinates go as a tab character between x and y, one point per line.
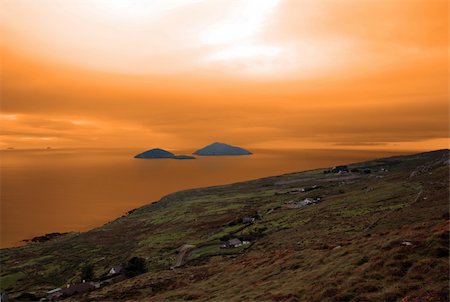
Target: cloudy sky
261	74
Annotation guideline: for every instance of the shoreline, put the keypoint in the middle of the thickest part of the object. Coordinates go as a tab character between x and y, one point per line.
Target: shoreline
23	242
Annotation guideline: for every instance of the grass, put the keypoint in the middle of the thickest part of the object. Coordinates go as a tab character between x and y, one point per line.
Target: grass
10	280
346	248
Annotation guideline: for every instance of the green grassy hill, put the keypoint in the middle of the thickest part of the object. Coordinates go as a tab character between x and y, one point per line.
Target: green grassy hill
382	236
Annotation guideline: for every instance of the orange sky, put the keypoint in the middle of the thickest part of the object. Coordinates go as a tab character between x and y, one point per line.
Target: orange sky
183	73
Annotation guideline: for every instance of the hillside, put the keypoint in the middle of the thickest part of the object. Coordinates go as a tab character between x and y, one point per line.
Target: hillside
221	149
161	153
378	232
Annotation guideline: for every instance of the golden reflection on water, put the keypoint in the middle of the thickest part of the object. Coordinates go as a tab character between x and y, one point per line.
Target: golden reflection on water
46	191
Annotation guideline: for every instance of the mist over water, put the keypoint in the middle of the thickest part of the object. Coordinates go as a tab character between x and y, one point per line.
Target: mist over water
45	191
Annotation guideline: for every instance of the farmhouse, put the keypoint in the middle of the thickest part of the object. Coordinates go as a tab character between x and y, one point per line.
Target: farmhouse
115	270
232	243
248	220
308	201
302	203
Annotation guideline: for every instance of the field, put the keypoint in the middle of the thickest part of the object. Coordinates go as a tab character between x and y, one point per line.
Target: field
380	236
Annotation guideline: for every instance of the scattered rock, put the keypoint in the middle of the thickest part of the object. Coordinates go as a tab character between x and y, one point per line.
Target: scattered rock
46	237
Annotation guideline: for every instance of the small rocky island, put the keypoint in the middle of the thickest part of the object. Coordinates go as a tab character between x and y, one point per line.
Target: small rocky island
161	153
46	237
221	149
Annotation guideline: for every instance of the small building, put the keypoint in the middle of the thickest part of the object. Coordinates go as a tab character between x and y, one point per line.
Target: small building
248	220
115	270
302	203
232	243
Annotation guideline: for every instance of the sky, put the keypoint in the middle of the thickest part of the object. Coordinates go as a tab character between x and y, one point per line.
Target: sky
179	74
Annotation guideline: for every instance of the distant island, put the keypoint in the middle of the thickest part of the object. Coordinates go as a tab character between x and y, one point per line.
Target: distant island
161	153
220	149
389	224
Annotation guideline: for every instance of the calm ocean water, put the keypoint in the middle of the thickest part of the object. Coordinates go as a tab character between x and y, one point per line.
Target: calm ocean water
46	191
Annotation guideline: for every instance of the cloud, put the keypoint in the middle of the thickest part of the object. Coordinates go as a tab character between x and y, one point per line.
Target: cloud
300	73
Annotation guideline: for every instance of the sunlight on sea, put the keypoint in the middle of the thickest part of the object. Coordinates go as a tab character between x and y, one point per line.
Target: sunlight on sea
45	191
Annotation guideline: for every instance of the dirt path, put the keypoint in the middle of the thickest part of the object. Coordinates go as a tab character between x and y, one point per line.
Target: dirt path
184	249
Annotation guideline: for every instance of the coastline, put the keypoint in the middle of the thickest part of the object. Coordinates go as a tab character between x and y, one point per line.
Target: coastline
116	214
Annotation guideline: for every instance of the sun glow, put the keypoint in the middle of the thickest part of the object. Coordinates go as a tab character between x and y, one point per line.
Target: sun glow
235	38
104	72
245	20
245	52
143	36
138	10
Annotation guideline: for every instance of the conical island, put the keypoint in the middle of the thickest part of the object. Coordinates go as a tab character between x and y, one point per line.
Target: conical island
221	149
161	153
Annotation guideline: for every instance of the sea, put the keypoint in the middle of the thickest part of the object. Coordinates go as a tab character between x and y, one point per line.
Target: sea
72	190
